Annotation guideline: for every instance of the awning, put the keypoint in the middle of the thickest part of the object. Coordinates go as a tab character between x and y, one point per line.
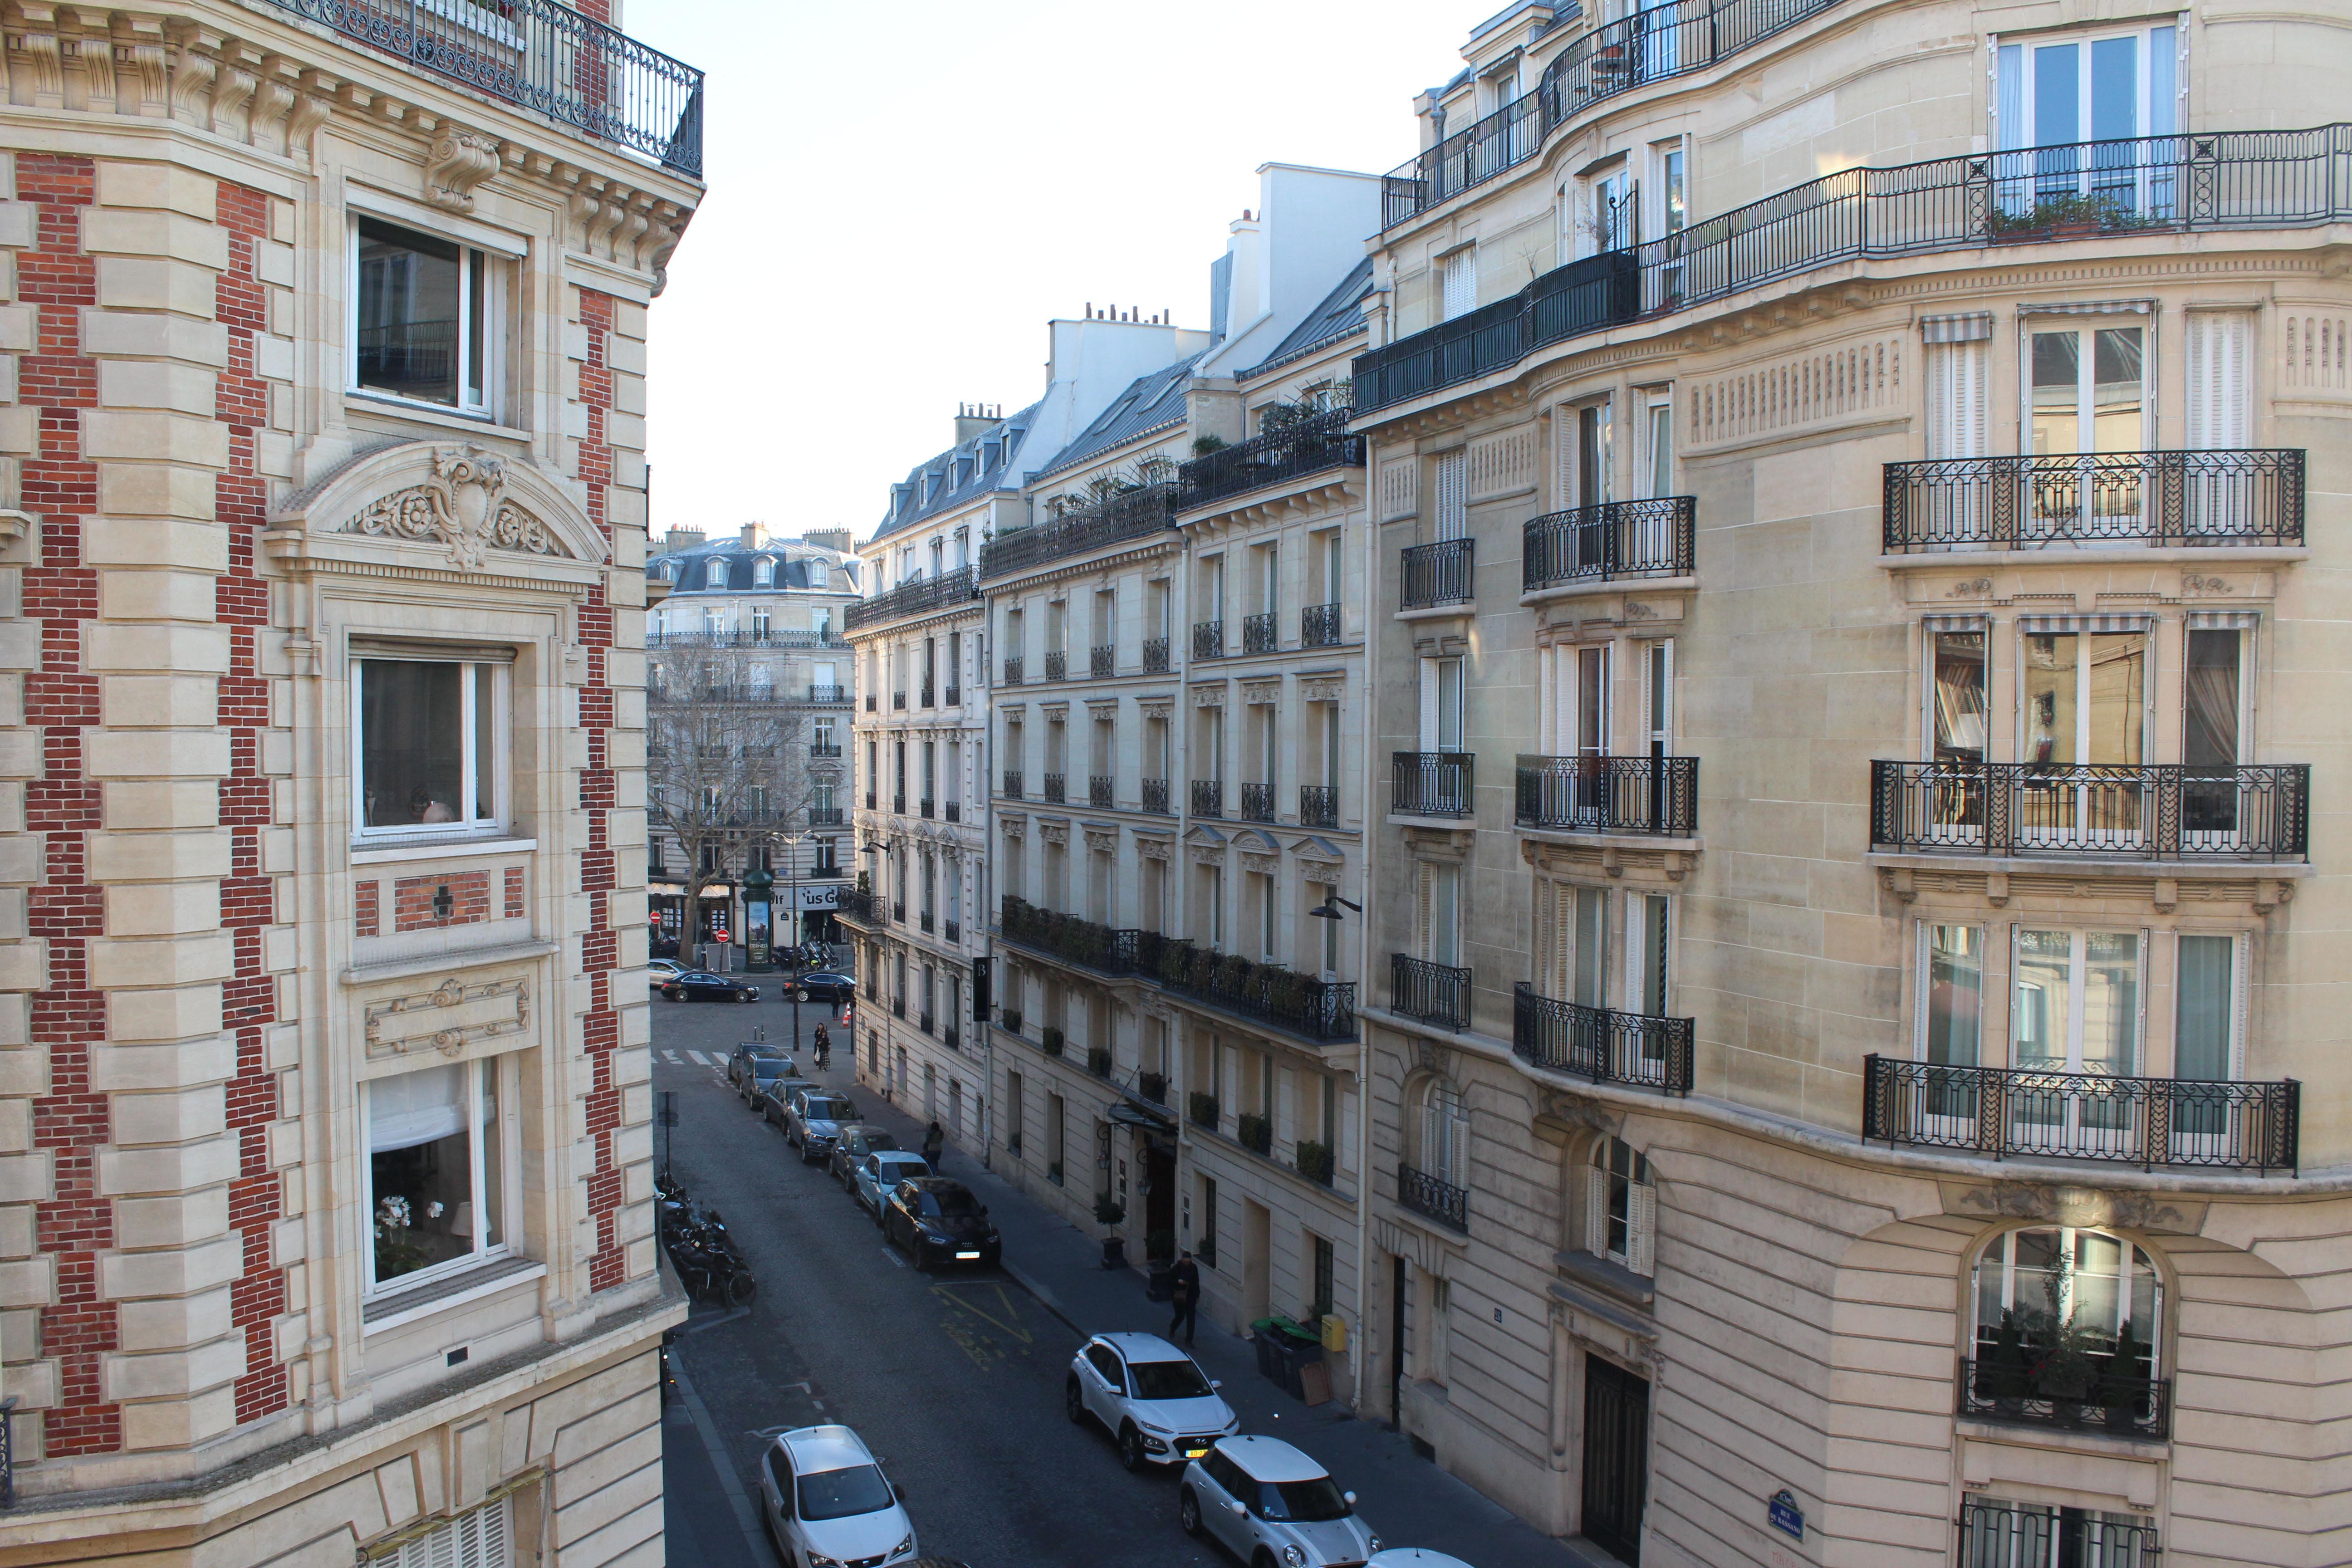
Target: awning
1127	1113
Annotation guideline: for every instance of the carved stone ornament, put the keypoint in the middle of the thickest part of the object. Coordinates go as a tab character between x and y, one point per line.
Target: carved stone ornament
2087	1208
1014	827
1207	855
1053	832
1209	696
1103	840
1263	865
1262	693
1321	873
463	506
1158	850
1325	691
1155	707
1576	1110
458	161
1434	1059
447	1018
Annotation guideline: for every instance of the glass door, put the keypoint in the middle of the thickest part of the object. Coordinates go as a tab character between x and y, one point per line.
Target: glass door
2076	1012
2211	807
1951	1027
1957	709
2088	395
2085	739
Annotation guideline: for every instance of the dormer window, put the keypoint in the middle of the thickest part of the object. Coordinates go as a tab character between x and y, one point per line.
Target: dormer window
820	573
764	572
963	472
714	574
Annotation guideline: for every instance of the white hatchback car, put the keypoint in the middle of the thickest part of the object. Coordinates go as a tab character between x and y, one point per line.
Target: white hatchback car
1272	1507
1414	1557
1149	1396
828	1505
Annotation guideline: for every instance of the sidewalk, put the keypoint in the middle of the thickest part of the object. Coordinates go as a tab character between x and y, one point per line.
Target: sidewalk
1413	1503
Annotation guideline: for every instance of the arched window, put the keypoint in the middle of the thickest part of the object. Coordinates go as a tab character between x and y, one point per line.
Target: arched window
763	572
714	574
820	573
2067	1321
1444	1134
1620	1207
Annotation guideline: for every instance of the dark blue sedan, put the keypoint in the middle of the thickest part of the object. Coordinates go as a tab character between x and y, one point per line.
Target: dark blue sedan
701	985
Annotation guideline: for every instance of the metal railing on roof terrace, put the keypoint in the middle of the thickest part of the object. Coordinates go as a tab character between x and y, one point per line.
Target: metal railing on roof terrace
547	59
1653	43
1316	443
1132	514
920	597
2150	184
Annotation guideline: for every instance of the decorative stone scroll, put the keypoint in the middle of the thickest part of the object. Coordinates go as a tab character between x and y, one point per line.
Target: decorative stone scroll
448	1017
1209	696
1156	707
1262	864
1262	693
1158	850
458	161
1103	840
1053	832
1208	854
1322	688
1321	873
463	506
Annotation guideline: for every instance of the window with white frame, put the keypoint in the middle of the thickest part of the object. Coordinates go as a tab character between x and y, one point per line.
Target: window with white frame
1620	1207
1443	694
1439	913
763	572
1452	494
482	1537
426	317
2078	1008
820	573
2086	86
1457	282
2034	1285
429	742
1445	1133
440	1169
2208	995
714	572
1951	994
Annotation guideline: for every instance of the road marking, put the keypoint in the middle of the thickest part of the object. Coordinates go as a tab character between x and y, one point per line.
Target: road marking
747	1519
1010	1322
671	1057
699	1059
891	1253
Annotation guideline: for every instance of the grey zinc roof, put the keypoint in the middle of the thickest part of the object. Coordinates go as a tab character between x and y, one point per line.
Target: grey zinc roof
791	557
1338	316
1149	403
969	459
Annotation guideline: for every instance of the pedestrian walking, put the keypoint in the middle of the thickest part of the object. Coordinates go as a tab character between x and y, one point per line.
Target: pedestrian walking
823	1044
1184	1290
934	1141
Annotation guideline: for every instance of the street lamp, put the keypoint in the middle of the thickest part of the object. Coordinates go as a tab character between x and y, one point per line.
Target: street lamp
792	841
1329	910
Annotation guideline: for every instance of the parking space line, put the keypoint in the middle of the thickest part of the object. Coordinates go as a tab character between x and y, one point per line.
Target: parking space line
699	1059
892	1254
747	1517
671	1057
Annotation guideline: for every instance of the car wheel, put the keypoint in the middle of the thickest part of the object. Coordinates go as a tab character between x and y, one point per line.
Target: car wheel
1188	1512
1264	1558
1074	1404
1131	1450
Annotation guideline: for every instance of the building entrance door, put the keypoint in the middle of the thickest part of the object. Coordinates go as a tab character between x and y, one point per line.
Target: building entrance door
1616	1457
1159	1192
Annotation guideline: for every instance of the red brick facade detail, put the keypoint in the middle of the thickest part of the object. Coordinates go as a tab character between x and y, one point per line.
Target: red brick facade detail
417	902
74	1225
363	909
514	908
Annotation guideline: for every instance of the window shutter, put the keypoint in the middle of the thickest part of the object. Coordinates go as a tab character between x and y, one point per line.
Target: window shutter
1596	1210
1641	1229
1453	495
1956	399
1564	439
2221	348
1658	695
1461	271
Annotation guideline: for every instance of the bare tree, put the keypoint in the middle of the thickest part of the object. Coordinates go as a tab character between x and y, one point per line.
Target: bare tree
726	758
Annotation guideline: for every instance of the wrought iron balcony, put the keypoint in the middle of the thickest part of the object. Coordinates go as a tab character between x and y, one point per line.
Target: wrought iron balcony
1051	1040
927	922
1155	656
1057	666
955	811
1012	783
1155	796
824	749
1260	634
824	817
1135	514
828	694
870	798
1012	669
1618	539
2143	1121
1610	794
1254	1133
897	1007
1315	1160
1318	806
1322	1010
550	60
923	1022
2100	497
1432	993
1315	445
918	597
1070	938
899	911
1201	1109
1009	1019
926	808
2123	1401
1099	1060
2258	812
898	803
1102	663
1152	1087
1601	1043
1098	792
1257	802
954	697
1208	639
950	1036
1427	1197
1054	789
1992	1531
1429	784
951	929
1439	573
2185	182
1208	797
925	699
898	701
1319	626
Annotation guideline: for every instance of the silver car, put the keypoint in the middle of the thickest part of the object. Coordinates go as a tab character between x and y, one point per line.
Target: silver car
824	1500
880	1172
814	1120
1266	1503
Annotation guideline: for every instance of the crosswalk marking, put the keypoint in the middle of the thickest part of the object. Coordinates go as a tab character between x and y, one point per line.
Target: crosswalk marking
671	1057
699	1059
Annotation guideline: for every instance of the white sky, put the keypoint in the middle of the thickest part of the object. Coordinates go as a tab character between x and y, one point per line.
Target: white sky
895	212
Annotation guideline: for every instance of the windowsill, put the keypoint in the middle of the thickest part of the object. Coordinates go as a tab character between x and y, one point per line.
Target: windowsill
1465	823
437	413
2073	1440
1593	587
1570	836
381	852
447	958
392	1310
1612	1278
1458	609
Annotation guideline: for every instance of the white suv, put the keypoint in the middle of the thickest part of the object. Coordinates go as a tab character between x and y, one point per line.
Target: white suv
1149	1396
1272	1507
828	1505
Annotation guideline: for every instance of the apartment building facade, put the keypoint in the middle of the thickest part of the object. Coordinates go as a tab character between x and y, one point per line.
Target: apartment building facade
328	1223
747	650
1852	714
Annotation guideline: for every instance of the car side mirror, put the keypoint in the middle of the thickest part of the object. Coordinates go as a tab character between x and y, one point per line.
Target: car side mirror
898	1491
1348	1498
1216	1382
1238	1506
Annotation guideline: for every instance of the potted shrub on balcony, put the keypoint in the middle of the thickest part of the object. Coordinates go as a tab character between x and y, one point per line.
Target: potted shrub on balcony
2006	1376
1110	1212
1253	1131
1153	1086
2123	1383
1049	1040
2073	216
1315	1161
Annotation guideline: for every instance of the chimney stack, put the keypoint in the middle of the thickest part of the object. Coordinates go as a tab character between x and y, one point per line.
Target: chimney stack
678	539
755	535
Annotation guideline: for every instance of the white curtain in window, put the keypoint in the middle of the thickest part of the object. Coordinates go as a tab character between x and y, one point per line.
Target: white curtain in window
2220	376
417	1108
1453	495
1956	398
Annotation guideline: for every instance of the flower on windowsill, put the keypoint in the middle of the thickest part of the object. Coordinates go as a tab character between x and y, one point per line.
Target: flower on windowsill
392	1213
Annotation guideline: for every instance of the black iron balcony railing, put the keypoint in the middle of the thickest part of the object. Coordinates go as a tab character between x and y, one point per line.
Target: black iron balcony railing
1260	634
1012	783
581	74
1131	515
1201	1109
923	1021
855	904
1099	1060
1315	1160
1439	573
1614	540
1257	802
1013	670
920	597
897	1007
1051	1040
1208	639
757	635
952	696
1155	656
2258	812
1432	993
954	811
822	749
870	798
1427	1197
1054	789
1319	626
1155	796
824	817
1992	1531
1009	1020
1429	784
1102	663
926	808
1152	1087
1322	1010
898	803
2093	1395
950	1036
2176	184
1070	938
871	701
898	701
951	929
1656	43
2143	1121
1208	797
898	911
2099	498
1057	666
1254	1133
927	922
1318	806
828	694
1098	792
1610	794
1315	444
924	701
1601	1043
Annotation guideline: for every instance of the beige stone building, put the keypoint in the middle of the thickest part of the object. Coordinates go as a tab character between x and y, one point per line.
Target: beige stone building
1854	486
325	1220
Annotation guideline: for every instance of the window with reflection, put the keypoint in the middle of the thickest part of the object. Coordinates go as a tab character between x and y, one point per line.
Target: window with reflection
2068	1322
438	1171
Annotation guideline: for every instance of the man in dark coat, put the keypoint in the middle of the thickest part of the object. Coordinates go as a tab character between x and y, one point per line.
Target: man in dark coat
1184	1290
934	1141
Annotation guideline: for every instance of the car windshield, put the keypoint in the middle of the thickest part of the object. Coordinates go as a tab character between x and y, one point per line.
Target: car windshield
1302	1502
837	1494
878	1139
953	1205
900	1170
1169	1380
819	1110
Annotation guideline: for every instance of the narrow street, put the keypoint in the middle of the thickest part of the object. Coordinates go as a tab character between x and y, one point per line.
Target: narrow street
955	1381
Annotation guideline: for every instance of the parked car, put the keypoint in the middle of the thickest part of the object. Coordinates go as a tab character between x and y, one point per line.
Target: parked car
738	1062
662	946
1413	1557
758	1072
937	1221
824	986
879	1175
1151	1396
776	1099
816	1122
701	985
824	1499
1264	1501
660	971
849	1151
